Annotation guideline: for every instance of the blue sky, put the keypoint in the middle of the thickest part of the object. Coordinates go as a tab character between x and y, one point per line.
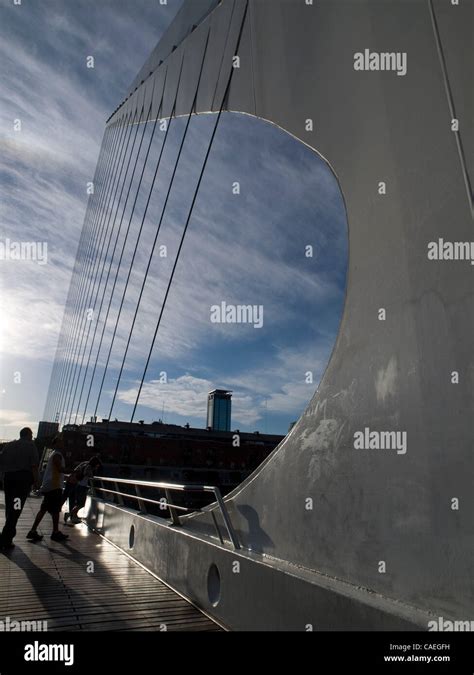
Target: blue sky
242	249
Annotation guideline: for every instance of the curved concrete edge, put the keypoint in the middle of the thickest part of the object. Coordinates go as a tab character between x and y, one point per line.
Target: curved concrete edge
254	593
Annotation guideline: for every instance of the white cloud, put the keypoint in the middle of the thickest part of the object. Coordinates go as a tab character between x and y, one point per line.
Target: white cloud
11	421
278	388
186	396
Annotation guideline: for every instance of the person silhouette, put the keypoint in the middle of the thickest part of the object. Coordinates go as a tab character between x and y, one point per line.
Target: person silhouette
19	464
52	490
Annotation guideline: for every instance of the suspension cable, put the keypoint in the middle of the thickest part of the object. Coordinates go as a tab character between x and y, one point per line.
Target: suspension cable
101	276
196	192
183	140
72	310
133	257
116	181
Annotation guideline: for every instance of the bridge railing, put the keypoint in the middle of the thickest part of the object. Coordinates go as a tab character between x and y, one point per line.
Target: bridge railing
98	482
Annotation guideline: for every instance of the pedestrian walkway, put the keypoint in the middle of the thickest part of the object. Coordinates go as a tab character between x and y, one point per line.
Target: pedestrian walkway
86	584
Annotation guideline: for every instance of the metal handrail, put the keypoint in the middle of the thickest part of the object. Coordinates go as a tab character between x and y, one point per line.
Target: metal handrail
173	508
142	499
180	487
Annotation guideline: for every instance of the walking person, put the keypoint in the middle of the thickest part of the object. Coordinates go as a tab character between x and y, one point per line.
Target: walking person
78	494
52	490
19	464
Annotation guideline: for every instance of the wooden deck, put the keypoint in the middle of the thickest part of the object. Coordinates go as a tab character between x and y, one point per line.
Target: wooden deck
52	582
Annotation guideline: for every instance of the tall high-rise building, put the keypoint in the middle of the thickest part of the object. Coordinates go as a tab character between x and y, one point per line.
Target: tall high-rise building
219	405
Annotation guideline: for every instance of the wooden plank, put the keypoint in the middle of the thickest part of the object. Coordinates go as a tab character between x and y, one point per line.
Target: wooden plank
48	581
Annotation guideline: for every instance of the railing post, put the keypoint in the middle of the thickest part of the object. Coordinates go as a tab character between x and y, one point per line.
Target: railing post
119	497
225	516
217	527
141	503
173	514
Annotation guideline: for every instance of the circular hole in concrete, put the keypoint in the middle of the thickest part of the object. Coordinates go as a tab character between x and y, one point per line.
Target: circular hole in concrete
131	537
214	585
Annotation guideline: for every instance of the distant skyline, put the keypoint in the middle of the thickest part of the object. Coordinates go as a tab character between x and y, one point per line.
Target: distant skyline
247	248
